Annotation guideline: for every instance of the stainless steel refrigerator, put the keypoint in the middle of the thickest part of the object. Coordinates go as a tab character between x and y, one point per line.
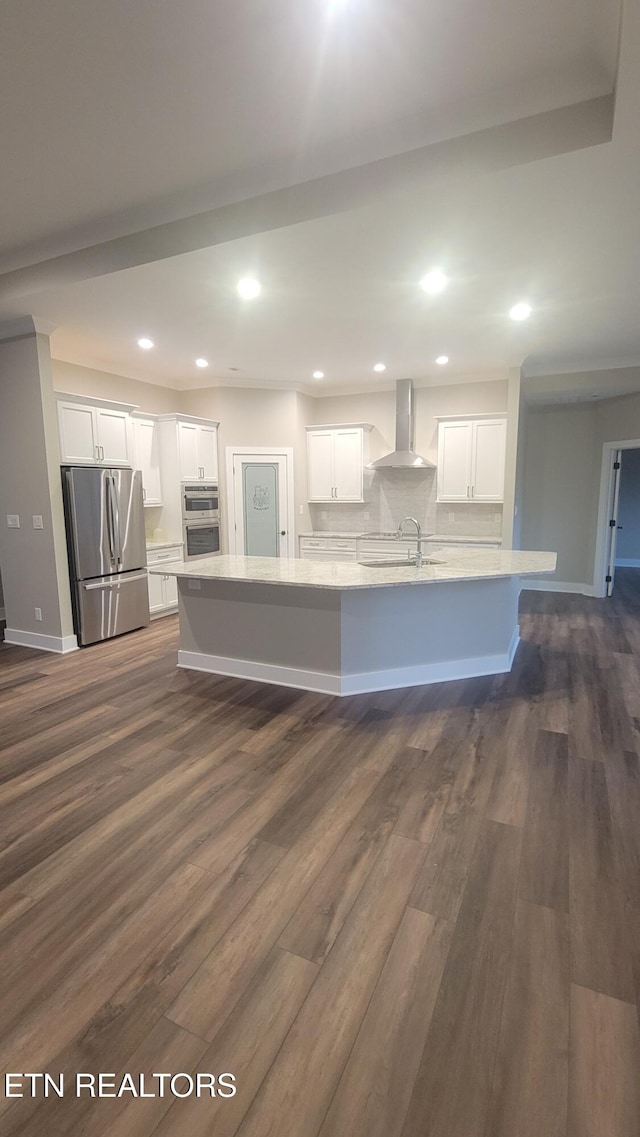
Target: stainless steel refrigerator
104	515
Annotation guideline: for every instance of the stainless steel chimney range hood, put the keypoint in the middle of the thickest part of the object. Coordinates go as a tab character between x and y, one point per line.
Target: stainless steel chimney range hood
404	456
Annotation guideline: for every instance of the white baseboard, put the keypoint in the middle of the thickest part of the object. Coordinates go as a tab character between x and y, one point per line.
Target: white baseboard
59	644
361	683
165	612
558	586
627	562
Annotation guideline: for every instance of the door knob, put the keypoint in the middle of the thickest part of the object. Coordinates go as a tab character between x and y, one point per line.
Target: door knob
283	532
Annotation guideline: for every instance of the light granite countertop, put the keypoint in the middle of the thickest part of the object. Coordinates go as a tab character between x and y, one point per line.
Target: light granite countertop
431	538
162	544
457	565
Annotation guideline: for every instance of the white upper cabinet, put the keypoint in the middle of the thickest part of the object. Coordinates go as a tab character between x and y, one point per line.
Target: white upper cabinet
336	457
188	451
208	452
94	433
113	436
77	433
471	459
320	464
147	459
198	452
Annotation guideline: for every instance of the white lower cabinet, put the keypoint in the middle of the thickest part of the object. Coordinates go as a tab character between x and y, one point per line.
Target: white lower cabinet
327	549
163	590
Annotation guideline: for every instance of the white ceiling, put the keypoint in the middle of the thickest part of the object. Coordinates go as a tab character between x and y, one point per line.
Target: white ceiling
121	116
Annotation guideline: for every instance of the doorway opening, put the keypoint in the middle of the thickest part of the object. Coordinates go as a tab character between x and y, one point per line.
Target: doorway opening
260	501
618	538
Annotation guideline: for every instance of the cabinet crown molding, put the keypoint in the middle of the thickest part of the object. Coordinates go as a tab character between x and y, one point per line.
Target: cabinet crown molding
340	426
92	401
196	419
471	418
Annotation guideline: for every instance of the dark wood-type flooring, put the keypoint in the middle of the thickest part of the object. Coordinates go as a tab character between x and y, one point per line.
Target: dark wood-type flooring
410	914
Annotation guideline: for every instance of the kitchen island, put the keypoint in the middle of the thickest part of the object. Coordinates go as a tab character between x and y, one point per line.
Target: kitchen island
343	628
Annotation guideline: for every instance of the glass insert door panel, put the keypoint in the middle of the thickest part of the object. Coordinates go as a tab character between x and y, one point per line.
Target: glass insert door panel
260	509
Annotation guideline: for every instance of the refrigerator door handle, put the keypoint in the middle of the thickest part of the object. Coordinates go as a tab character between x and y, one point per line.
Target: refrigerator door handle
114	583
115	518
109	515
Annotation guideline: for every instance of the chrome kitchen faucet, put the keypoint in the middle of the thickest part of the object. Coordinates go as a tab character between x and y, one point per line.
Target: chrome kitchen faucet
400	532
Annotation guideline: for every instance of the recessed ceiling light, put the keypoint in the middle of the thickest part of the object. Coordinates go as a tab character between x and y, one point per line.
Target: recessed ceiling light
318	375
520	311
145	343
379	367
434	281
202	362
442	359
249	287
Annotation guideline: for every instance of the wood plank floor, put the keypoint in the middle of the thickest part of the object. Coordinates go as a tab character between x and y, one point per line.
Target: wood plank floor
410	914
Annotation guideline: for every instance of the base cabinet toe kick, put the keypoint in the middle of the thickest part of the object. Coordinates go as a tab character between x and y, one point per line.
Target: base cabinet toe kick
315	635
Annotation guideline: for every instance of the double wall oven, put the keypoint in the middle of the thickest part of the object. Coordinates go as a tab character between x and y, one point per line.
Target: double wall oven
200	520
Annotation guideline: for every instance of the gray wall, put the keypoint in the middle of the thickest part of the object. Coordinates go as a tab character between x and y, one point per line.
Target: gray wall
560	490
562	469
628	544
34	562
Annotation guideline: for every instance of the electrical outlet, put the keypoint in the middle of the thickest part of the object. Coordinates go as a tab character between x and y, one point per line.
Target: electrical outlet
302	510
13	521
366	516
323	515
451	516
37	521
498	516
38	612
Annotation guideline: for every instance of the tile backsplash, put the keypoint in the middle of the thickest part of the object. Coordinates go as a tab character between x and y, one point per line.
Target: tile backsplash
394	494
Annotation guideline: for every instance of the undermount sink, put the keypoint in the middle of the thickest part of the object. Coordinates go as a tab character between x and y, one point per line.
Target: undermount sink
400	562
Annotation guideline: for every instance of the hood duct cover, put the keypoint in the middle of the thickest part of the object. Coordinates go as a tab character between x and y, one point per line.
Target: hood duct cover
404	456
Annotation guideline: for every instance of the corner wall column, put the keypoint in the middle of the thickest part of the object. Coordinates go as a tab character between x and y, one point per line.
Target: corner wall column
33	562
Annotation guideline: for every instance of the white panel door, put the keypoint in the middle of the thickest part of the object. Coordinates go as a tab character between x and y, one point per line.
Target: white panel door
347	465
262	495
188	451
113	437
454	461
207	452
148	459
487	475
320	465
77	433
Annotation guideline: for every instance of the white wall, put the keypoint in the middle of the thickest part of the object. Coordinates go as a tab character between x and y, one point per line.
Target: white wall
393	494
150	397
378	408
255	417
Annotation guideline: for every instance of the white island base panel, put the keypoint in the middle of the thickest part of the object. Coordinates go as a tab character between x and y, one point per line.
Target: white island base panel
345	642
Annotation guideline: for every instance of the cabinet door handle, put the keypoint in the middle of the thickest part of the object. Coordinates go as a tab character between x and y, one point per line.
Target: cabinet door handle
144	494
96	453
102	453
473	491
468	491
